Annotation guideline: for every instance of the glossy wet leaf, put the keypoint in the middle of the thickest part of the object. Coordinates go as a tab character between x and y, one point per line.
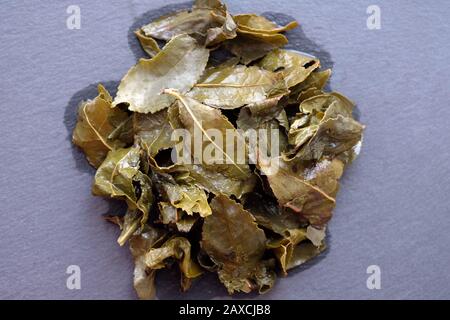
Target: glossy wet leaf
153	131
230	87
269	215
178	65
226	174
310	202
294	67
184	195
207	20
256	23
323	127
302	253
312	86
178	248
249	49
232	239
96	121
148	44
254	115
144	278
119	177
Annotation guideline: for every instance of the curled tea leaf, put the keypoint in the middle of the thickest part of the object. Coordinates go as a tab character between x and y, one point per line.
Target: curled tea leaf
119	177
177	248
208	21
96	121
148	44
144	278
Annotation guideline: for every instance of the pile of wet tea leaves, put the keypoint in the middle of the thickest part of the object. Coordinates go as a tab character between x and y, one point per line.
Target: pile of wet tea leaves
244	210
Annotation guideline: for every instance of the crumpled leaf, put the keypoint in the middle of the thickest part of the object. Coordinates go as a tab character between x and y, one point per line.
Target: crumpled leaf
148	44
324	173
223	181
324	127
234	242
283	247
227	177
144	278
183	195
294	67
186	223
168	214
257	36
316	236
260	24
268	214
333	136
312	86
310	202
129	226
233	86
302	253
179	65
153	131
96	121
208	20
254	115
177	248
119	177
265	275
285	224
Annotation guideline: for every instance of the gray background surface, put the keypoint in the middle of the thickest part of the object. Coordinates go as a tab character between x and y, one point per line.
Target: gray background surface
393	209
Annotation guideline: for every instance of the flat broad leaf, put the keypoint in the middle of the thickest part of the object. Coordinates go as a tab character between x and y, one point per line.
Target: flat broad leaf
324	173
276	39
178	65
230	87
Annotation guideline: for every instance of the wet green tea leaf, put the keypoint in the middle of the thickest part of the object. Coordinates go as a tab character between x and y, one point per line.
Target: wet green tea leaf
178	65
